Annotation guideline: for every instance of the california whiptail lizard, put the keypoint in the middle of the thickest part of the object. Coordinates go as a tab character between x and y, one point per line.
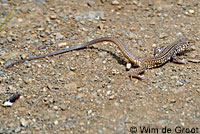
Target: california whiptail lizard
162	56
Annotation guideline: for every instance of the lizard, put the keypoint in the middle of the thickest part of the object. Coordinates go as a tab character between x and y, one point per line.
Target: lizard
162	55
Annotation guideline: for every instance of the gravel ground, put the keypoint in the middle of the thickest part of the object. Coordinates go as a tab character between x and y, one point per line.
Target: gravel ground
89	91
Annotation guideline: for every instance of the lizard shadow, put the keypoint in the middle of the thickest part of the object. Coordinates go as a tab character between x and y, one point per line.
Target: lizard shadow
120	60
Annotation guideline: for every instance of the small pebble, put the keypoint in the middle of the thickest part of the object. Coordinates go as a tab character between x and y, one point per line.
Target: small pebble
164	106
94	15
111	97
53	17
41	29
139	42
108	92
62	44
59	36
128	66
80	95
115	2
132	35
116	104
115	71
23	122
191	11
9	87
55	107
172	100
101	26
99	90
179	34
20	19
72	68
102	54
152	23
121	101
89	111
163	35
91	3
63	16
93	79
63	107
43	35
56	122
132	29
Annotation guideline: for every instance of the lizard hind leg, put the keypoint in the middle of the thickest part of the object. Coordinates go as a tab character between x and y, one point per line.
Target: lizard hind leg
136	73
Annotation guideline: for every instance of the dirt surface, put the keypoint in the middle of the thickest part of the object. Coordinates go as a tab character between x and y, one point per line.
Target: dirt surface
89	91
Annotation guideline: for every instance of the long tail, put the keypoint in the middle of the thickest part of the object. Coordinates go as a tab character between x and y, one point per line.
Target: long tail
120	45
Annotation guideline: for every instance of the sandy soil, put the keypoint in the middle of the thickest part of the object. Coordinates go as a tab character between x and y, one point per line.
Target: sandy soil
89	91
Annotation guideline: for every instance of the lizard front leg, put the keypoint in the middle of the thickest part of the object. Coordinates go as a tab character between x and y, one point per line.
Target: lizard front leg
177	60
